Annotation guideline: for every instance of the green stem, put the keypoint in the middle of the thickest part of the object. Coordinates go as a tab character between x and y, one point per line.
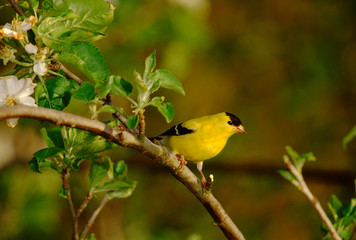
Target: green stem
21	63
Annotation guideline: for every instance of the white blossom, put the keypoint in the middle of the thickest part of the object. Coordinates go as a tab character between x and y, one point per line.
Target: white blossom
30	48
40	68
14	91
17	28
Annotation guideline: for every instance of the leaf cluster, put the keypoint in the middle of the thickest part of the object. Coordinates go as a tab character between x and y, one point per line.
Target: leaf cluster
298	161
344	217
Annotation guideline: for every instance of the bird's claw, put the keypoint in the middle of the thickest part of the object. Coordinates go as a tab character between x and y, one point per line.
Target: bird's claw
182	161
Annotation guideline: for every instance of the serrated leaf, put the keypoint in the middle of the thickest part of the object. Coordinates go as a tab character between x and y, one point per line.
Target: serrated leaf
349	137
85	93
132	121
98	171
289	177
70	21
86	57
167	110
55	94
167	80
150	64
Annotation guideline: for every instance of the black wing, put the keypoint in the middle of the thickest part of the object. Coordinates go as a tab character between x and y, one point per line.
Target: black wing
177	130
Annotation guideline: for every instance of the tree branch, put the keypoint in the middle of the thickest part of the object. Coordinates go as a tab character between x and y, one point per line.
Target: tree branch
16	7
124	138
303	187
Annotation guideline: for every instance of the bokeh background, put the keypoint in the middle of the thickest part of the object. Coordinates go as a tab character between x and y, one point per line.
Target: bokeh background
286	68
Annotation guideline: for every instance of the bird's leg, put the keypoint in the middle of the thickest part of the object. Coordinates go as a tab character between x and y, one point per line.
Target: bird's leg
203	179
181	160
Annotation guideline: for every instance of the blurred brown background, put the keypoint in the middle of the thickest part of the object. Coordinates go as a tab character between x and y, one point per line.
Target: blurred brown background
286	68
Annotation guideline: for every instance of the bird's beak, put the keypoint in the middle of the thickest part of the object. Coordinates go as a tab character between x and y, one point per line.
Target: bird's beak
240	129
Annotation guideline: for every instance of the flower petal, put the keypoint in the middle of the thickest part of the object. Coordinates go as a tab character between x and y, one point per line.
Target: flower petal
29	101
27	88
40	68
30	48
11	85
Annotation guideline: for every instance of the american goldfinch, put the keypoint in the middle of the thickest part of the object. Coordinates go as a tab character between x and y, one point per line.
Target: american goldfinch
201	138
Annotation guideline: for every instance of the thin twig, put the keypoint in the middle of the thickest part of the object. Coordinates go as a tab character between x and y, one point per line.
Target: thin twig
84	204
66	187
303	187
118	115
95	214
16	7
70	74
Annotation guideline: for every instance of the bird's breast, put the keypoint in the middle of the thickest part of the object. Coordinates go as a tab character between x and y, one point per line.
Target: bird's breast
197	147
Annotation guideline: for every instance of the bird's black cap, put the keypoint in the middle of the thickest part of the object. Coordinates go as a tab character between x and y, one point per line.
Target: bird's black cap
234	120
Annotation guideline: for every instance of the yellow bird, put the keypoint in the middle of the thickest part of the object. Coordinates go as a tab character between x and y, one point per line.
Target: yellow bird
201	138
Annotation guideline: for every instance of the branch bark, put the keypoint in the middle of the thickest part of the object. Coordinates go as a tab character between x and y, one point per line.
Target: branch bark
126	139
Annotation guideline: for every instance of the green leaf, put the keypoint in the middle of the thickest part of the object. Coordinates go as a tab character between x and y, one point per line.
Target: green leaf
39	160
123	192
289	177
335	206
156	101
86	57
55	94
150	64
132	121
34	4
34	166
92	237
167	80
108	108
113	186
47	152
85	93
120	169
98	170
80	144
167	110
53	137
297	160
66	22
349	137
308	157
115	85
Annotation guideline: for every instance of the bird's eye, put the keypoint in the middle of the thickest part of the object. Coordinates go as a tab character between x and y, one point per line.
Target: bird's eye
230	122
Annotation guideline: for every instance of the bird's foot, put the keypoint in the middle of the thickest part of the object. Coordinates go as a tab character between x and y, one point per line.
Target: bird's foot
181	161
203	183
